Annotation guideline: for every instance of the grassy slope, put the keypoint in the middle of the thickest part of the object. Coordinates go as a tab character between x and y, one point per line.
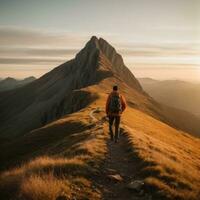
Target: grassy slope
58	160
171	158
67	152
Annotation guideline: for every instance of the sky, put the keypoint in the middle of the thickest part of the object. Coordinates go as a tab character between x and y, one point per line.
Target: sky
156	38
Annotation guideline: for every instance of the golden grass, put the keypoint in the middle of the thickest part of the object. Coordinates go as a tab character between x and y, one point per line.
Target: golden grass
66	170
42	178
44	187
68	150
171	157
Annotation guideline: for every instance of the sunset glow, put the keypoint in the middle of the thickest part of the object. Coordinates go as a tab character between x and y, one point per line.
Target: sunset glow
34	39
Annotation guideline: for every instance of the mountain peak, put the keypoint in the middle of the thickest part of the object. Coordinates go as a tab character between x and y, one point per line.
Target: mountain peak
88	58
101	45
93	42
94	38
29	78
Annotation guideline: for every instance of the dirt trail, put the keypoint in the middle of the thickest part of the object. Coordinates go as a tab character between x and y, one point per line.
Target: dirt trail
120	164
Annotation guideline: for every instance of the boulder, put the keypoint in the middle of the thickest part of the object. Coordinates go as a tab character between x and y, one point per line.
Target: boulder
136	185
115	177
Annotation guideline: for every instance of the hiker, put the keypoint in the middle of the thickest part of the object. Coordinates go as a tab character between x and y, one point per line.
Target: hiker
115	105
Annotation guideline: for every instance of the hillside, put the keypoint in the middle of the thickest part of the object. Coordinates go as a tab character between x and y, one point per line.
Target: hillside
55	143
72	154
11	83
179	94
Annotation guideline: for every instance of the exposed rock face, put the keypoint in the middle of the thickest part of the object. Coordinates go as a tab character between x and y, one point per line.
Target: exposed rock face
118	64
88	58
55	93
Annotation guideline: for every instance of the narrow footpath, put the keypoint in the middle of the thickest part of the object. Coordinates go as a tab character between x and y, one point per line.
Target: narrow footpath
119	169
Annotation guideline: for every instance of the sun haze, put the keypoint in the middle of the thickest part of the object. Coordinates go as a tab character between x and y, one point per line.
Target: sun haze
159	39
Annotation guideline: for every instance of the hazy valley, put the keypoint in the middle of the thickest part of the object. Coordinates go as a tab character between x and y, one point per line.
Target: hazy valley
179	94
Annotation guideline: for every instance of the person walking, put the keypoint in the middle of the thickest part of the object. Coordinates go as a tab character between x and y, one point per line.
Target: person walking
115	106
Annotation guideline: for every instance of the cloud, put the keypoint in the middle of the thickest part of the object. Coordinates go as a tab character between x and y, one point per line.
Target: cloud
35	52
39	47
153	51
30	61
20	37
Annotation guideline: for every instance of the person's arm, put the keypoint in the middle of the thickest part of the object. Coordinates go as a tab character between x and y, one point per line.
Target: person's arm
123	102
107	104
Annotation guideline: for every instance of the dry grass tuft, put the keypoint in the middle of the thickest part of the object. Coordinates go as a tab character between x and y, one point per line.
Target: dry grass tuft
42	178
45	187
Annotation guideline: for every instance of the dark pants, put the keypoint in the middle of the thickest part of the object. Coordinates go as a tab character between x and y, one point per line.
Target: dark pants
116	120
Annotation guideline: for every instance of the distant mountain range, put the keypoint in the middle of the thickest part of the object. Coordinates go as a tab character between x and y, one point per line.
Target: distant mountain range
11	83
176	93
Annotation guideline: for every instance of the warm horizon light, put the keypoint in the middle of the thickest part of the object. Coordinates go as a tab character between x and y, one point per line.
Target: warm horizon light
35	38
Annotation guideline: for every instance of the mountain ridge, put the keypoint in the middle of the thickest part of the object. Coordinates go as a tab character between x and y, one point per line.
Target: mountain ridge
55	86
64	90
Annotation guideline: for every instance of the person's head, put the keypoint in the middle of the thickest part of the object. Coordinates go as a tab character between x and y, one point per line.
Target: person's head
115	88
